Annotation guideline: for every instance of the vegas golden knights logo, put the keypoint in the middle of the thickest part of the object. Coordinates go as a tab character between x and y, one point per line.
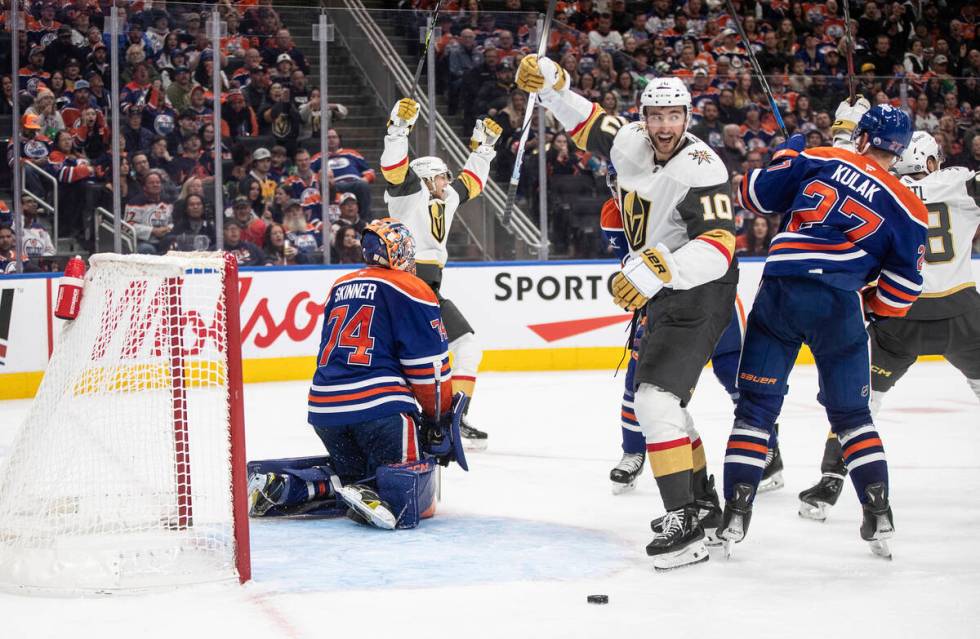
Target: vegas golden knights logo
437	215
636	214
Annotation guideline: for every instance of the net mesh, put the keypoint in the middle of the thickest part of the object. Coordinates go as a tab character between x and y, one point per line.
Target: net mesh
120	476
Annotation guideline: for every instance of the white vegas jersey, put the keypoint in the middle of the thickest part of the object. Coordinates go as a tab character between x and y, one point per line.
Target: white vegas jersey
408	199
682	203
948	287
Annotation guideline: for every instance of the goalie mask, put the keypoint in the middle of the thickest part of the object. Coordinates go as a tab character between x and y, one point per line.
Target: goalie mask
387	242
916	156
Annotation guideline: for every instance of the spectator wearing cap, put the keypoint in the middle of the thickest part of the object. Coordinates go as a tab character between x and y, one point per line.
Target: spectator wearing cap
44	107
179	91
257	91
189	163
493	95
238	120
350	214
260	174
137	137
253	227
150	214
283	43
61	49
81	99
98	62
245	252
73	73
200	106
32	75
349	172
284	68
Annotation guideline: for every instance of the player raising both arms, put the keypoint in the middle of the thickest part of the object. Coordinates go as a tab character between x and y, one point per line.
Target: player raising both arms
849	222
681	238
424	196
945	320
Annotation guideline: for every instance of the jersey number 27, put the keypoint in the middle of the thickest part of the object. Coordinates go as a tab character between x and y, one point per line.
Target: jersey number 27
353	334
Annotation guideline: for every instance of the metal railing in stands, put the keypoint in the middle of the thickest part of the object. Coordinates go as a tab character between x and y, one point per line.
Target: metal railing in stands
104	222
360	18
39	198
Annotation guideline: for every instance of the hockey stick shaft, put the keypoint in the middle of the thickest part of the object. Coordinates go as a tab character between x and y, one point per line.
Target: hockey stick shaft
852	94
425	49
515	176
757	68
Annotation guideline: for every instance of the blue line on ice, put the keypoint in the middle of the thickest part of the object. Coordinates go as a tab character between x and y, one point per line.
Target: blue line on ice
449	550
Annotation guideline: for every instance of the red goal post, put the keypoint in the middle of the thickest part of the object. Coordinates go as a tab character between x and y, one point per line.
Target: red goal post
129	471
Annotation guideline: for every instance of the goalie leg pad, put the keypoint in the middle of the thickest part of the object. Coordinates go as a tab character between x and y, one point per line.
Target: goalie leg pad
302	480
410	490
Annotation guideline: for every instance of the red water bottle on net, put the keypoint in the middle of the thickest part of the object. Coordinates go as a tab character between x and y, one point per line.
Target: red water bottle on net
70	289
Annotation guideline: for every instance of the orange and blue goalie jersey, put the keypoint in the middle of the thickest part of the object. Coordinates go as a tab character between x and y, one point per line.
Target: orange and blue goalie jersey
848	222
381	344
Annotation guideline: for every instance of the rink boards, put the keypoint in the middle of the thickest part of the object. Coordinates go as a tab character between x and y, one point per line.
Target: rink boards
527	315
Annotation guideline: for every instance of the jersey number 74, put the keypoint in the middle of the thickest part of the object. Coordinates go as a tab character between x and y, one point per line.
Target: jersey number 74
353	334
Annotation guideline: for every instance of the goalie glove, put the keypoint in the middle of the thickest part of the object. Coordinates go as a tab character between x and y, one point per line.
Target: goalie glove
485	134
642	277
403	117
847	117
540	75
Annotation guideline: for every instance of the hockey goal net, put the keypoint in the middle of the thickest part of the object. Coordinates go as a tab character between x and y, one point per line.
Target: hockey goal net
129	471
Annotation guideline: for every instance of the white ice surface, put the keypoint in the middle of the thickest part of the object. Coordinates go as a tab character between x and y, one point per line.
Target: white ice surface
522	539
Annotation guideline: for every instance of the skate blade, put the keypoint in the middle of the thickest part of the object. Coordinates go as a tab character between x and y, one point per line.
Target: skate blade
711	537
619	489
774	482
729	537
879	548
474	445
817	512
379	516
694	553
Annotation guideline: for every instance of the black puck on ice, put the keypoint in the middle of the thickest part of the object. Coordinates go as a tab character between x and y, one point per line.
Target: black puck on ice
598	599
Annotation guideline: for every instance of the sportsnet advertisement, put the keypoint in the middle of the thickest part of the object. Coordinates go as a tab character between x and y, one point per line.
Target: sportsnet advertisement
528	316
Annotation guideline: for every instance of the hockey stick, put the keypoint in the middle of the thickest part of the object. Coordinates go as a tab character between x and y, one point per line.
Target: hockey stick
515	176
852	97
757	69
425	50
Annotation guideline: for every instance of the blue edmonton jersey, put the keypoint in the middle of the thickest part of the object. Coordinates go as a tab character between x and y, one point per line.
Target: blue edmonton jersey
848	223
382	339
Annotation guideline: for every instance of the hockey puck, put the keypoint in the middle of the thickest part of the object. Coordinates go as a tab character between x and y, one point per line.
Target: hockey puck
597	599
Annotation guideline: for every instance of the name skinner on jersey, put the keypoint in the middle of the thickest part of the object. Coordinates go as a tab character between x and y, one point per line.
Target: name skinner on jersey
848	177
355	290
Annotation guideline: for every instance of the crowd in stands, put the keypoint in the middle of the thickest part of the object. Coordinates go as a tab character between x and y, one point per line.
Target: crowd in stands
921	56
270	130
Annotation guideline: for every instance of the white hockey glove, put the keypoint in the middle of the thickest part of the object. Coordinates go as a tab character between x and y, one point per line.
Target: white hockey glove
485	134
540	75
403	117
642	277
847	117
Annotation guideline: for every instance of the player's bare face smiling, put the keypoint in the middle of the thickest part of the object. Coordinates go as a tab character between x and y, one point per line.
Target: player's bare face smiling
439	184
665	126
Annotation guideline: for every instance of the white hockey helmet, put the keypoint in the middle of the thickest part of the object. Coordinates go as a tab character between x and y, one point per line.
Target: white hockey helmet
665	92
915	158
429	166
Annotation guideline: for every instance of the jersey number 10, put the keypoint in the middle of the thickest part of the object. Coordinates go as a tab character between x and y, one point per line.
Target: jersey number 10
353	334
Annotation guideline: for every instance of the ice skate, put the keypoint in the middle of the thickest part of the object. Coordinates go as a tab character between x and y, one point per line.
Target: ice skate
366	503
877	526
626	472
265	491
473	439
772	475
735	520
680	541
816	501
709	513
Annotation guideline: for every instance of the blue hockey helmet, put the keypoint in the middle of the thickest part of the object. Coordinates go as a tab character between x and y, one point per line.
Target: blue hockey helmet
387	242
888	129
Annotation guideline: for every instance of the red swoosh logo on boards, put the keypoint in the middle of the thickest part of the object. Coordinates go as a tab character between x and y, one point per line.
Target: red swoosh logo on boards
554	331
